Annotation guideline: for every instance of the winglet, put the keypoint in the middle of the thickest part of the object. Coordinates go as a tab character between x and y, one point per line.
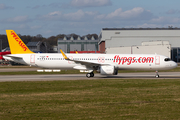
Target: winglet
65	57
16	45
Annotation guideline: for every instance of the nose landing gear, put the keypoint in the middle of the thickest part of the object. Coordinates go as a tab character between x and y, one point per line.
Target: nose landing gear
157	75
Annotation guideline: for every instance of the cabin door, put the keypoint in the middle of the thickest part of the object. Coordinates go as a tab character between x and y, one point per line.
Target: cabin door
157	60
32	59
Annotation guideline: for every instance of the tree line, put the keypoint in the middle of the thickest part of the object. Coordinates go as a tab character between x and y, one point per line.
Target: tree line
52	41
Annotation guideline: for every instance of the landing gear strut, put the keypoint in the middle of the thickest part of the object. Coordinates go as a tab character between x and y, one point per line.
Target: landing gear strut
88	75
157	75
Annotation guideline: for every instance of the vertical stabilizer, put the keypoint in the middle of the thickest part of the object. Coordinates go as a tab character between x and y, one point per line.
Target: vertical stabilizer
16	45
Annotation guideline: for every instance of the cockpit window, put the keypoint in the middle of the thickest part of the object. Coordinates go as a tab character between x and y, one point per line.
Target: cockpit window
167	59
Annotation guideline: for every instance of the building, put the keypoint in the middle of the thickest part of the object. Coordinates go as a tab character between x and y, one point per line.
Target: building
37	47
165	41
152	47
79	44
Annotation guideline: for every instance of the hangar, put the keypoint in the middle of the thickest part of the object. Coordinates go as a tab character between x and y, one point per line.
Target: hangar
80	44
164	41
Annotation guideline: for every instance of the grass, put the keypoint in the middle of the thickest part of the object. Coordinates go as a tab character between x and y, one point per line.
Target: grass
91	99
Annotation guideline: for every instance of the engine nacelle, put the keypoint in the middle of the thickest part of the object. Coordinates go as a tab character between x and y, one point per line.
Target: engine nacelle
108	70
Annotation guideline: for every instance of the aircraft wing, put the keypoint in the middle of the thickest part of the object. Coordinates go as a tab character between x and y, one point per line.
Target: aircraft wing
86	63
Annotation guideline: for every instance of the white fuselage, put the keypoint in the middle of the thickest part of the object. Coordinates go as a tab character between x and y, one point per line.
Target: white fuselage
119	61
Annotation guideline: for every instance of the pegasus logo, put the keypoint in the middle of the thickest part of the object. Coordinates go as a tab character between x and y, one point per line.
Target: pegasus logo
23	46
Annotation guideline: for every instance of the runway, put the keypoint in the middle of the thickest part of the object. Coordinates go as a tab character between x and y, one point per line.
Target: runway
145	75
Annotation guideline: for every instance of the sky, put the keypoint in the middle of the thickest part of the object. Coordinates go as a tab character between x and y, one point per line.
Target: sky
82	17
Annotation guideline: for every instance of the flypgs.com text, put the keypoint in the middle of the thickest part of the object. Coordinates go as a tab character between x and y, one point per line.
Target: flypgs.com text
130	60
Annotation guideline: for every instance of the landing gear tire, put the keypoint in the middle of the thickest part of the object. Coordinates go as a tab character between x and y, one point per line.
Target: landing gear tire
92	74
88	75
157	76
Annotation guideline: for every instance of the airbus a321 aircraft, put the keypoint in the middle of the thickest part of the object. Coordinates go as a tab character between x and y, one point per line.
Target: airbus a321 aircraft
105	64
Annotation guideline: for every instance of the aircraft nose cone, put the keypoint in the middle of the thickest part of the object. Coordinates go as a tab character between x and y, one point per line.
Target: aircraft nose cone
174	64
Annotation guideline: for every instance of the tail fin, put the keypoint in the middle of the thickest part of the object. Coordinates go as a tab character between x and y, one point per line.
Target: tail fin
16	45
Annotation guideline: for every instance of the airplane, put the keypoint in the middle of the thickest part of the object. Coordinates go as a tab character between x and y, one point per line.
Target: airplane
105	64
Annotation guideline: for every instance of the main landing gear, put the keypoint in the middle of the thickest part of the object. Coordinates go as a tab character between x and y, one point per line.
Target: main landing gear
157	75
88	75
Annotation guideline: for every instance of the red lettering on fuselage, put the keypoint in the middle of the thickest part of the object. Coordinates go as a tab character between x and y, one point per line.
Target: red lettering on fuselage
23	46
130	60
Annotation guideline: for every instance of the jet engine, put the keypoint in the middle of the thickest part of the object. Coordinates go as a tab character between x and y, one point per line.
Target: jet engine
108	70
